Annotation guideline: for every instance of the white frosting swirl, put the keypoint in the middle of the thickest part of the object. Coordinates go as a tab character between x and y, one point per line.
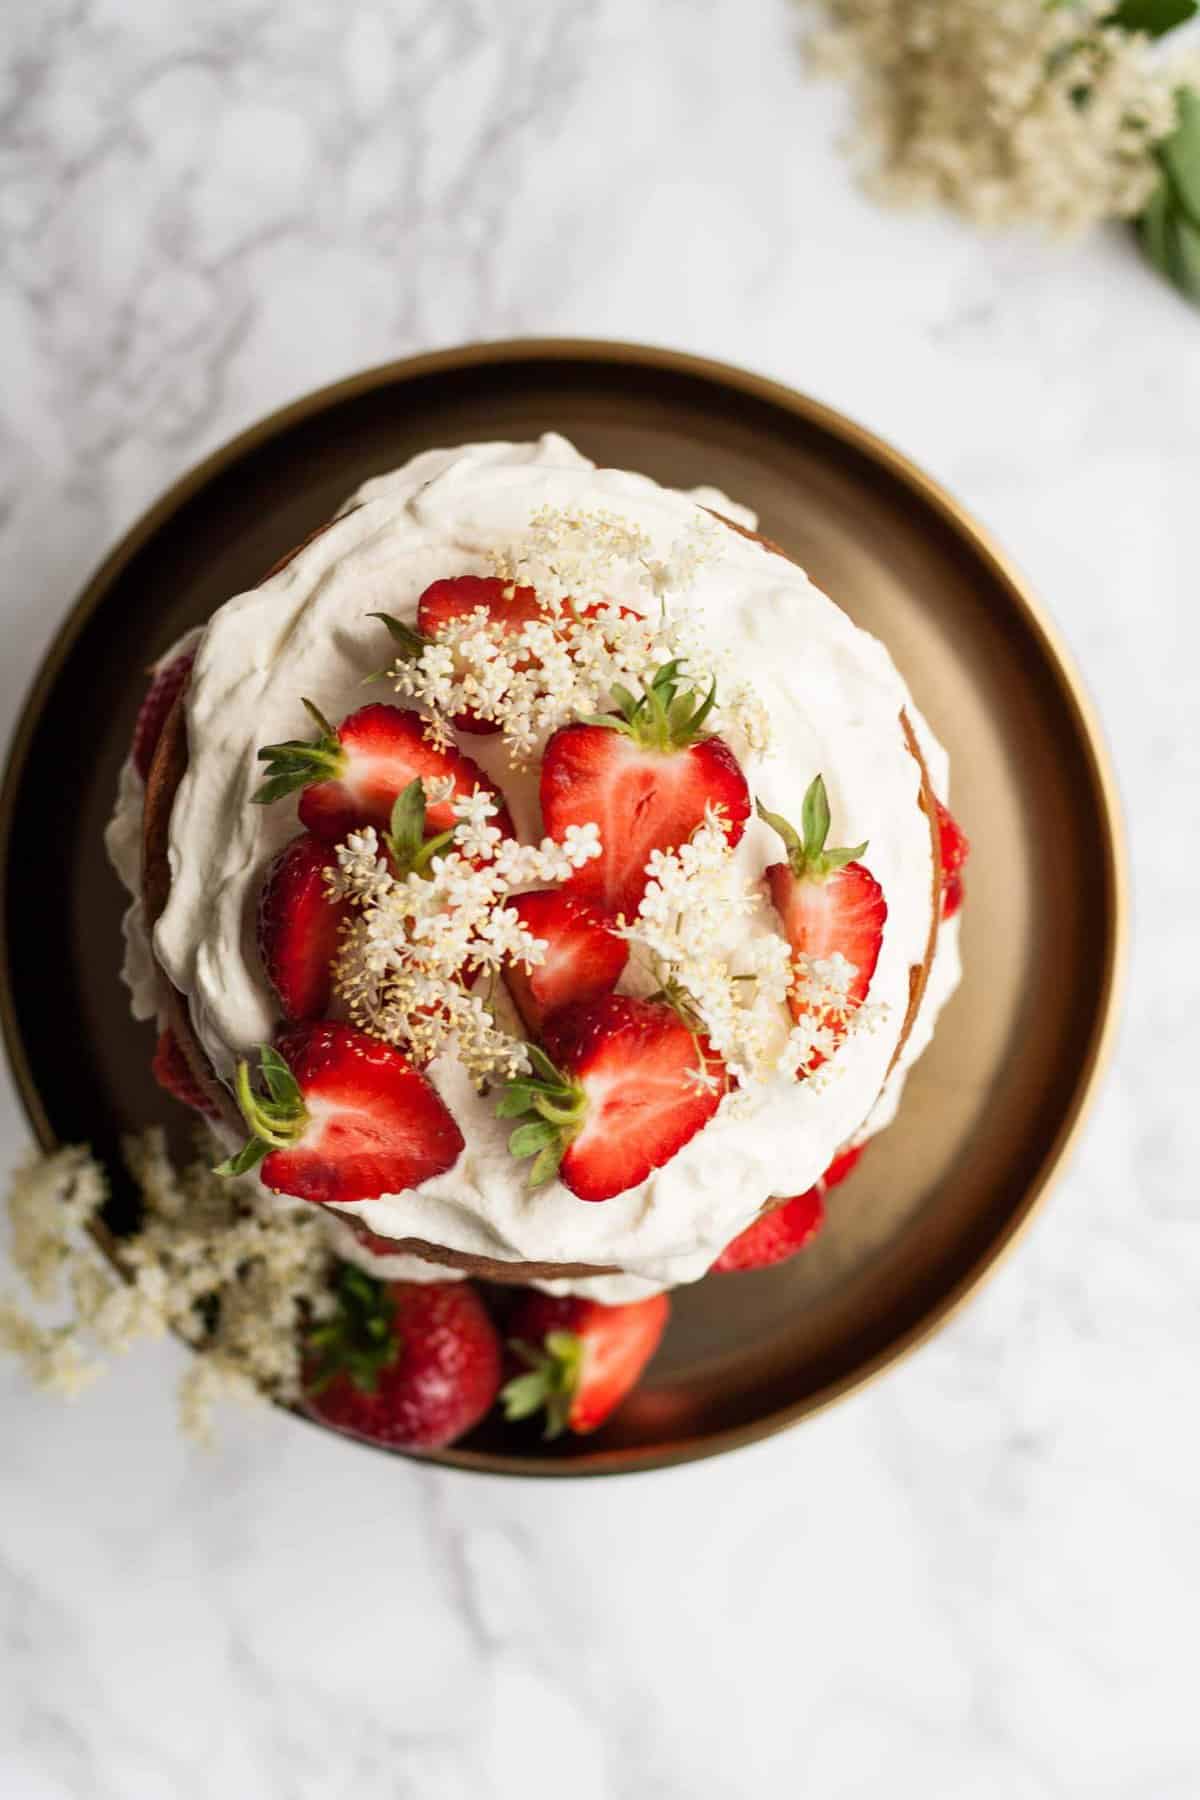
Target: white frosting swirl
834	700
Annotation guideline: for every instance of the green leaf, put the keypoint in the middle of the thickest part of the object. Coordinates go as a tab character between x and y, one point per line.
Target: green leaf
814	818
546	1163
516	1099
543	1066
525	1394
1154	17
533	1136
406	831
791	838
281	1083
247	1158
1152	227
1180	156
318	718
1183	252
409	642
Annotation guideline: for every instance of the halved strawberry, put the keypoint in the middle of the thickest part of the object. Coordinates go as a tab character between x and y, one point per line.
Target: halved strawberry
299	926
410	1363
629	1085
789	1225
165	688
955	848
352	775
345	1117
583	960
172	1072
843	1165
508	607
646	776
774	1235
830	906
580	1359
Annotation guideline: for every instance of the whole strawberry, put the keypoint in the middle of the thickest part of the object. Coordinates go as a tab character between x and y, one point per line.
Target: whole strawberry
646	775
411	1364
577	1359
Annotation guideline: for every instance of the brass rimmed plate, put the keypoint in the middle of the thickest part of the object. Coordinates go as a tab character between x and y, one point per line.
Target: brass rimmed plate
990	1110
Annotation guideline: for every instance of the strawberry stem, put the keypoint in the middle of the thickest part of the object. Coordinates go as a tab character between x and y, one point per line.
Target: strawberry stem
549	1109
668	715
277	1120
551	1380
360	1339
299	763
807	855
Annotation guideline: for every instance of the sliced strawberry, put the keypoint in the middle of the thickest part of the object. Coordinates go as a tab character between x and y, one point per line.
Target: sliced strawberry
346	1117
830	906
646	776
578	1359
843	1164
628	1086
352	776
172	1071
410	1363
583	960
790	1224
774	1235
299	927
508	607
955	848
166	685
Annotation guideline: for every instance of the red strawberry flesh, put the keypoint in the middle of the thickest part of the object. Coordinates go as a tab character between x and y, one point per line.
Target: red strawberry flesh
955	848
774	1235
375	1126
641	799
639	1067
613	1346
299	927
384	749
584	958
173	1073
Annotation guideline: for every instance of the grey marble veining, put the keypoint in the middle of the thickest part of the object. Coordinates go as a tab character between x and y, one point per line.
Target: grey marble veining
973	1579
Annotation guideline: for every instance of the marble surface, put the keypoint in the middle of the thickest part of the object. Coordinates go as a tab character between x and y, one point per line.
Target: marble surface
972	1579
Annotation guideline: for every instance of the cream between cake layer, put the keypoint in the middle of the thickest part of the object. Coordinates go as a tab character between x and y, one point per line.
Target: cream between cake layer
834	699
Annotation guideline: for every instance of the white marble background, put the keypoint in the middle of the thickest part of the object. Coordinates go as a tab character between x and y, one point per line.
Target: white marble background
973	1580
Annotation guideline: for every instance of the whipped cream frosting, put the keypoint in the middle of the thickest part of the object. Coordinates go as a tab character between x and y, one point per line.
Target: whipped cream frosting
834	699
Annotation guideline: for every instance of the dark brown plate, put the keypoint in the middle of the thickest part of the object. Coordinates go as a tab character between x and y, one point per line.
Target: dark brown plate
990	1110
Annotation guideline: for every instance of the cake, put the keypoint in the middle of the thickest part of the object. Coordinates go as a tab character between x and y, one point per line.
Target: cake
677	818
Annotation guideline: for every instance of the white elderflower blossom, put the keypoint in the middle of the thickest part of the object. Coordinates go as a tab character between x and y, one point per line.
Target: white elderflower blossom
565	664
711	938
216	1261
409	958
1014	113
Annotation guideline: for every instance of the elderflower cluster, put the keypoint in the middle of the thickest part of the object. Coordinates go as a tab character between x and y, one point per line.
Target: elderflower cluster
738	983
216	1261
1012	111
409	957
565	664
